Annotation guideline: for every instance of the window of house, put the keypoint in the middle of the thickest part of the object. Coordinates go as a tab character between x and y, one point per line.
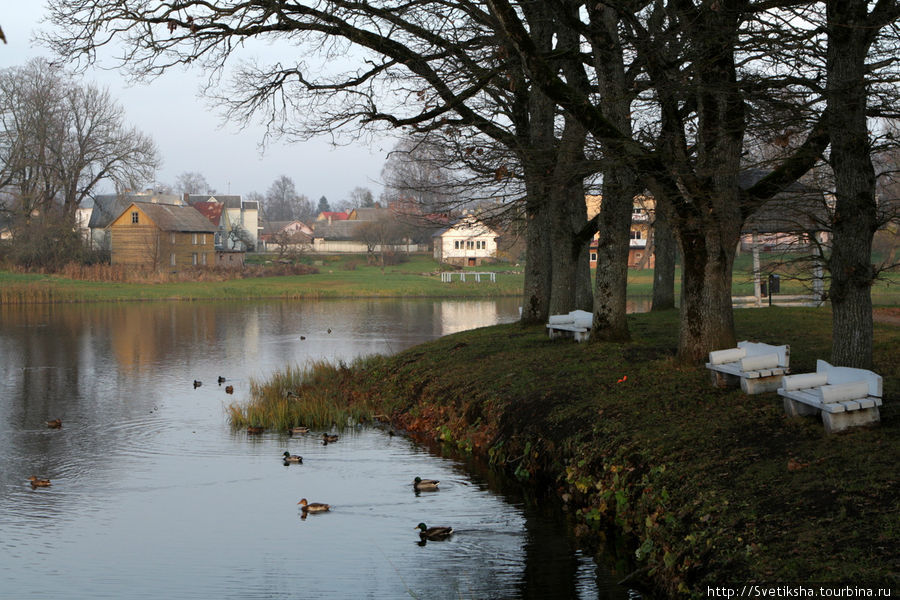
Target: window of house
203	258
172	238
593	257
194	258
470	244
134	216
635	235
194	239
456	245
203	239
172	260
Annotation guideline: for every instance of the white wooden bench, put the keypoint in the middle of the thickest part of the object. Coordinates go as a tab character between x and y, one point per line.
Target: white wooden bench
845	397
757	367
576	324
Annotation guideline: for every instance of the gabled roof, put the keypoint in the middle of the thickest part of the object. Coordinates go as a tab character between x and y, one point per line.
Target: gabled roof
333	215
210	210
229	200
798	208
271	227
469	221
337	230
169	217
106	208
370	214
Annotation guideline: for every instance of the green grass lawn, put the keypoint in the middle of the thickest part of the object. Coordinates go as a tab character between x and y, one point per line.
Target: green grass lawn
349	276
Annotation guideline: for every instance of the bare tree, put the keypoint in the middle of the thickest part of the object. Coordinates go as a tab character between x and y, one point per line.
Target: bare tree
381	235
60	139
282	203
361	197
290	245
192	182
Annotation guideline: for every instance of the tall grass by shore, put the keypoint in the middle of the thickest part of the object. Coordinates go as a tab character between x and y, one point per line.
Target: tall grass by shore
317	395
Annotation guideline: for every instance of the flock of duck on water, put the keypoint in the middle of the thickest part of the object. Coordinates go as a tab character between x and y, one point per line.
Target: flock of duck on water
419	484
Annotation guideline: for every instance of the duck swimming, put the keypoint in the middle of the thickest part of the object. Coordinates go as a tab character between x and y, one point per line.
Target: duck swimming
315	507
328	438
433	533
292	458
54	424
35	482
299	430
425	485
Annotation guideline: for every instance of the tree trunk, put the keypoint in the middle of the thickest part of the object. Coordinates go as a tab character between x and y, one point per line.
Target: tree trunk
707	318
536	289
855	217
664	249
619	183
568	217
610	323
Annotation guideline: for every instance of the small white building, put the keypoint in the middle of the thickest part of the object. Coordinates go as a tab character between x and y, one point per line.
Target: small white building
467	242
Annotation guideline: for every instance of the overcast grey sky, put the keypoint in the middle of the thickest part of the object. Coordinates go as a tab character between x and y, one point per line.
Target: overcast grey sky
190	136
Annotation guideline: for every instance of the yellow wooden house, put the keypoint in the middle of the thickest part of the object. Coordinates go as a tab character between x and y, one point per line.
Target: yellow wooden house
162	236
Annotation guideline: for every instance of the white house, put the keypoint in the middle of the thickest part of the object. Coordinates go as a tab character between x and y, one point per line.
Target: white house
467	242
238	212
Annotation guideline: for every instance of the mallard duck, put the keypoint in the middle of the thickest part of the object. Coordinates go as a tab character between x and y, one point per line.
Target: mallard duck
221	380
252	429
329	438
292	458
433	533
425	485
229	389
315	507
35	482
299	430
197	384
54	424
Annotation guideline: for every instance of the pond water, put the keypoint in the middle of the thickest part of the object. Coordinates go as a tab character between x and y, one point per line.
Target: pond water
153	495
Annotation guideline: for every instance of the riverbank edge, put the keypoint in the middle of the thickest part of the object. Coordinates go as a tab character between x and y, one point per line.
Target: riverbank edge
703	487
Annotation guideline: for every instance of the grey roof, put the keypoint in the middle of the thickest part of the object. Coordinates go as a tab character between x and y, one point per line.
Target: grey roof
799	208
169	217
106	208
372	214
337	230
229	200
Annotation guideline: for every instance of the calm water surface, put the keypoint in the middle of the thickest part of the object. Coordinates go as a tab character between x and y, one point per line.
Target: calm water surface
153	496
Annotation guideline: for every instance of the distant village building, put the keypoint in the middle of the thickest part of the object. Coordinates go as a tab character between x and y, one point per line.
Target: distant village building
330	216
161	236
104	208
285	236
640	251
238	213
467	242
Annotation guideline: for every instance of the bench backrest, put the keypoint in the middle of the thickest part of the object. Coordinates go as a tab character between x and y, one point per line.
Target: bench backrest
758	348
839	375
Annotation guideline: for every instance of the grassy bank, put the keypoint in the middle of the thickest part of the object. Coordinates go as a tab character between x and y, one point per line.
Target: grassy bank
706	487
337	277
345	276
